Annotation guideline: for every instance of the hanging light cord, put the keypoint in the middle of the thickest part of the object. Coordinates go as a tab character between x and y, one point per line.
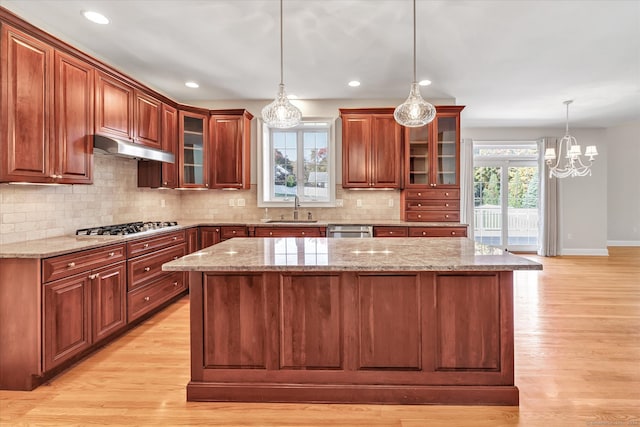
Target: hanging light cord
414	41
281	49
566	132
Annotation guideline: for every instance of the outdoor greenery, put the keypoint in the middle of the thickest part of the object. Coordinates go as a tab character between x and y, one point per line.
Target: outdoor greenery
523	186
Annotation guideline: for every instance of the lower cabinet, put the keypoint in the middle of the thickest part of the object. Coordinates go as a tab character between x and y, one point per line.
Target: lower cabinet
434	231
289	232
212	235
82	310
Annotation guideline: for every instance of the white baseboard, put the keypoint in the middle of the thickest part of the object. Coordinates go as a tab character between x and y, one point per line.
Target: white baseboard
585	252
623	242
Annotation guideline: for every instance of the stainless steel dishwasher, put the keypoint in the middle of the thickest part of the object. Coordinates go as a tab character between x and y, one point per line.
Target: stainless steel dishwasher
349	230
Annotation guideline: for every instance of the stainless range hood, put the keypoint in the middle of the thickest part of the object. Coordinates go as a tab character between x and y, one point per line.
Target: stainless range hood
122	148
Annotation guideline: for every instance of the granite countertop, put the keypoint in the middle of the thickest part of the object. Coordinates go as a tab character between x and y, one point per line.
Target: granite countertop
53	246
374	254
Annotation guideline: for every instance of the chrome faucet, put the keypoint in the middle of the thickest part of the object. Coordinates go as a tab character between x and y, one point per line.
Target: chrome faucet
296	205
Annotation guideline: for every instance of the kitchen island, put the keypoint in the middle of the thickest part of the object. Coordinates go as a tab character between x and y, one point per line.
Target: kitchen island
408	321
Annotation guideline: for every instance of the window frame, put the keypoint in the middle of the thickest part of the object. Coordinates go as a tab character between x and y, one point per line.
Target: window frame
264	182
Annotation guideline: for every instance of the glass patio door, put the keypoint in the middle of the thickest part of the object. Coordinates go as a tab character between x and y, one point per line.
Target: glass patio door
506	196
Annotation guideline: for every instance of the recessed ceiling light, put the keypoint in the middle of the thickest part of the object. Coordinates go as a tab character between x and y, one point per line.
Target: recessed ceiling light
193	85
424	82
96	17
354	83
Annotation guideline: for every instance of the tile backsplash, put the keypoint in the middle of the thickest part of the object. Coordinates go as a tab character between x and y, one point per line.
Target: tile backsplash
29	212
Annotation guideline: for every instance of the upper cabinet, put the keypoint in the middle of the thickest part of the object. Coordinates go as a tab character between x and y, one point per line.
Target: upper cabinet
432	152
148	120
371	148
114	107
46	112
155	174
193	149
230	142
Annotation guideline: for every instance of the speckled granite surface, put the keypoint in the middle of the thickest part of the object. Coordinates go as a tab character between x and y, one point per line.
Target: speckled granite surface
44	248
375	254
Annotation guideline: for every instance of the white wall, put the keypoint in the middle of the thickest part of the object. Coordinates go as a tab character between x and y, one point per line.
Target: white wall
623	184
583	201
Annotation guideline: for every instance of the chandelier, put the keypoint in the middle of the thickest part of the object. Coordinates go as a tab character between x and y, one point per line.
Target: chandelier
415	111
573	164
281	113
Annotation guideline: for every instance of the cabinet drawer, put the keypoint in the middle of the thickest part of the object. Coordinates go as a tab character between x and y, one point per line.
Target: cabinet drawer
432	204
289	232
433	216
437	232
146	268
67	265
390	232
140	247
147	298
228	232
440	193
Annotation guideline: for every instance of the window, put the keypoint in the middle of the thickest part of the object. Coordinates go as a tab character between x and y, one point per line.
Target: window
297	161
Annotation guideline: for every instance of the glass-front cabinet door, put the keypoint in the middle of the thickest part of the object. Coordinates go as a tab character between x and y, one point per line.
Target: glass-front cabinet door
193	148
418	156
447	151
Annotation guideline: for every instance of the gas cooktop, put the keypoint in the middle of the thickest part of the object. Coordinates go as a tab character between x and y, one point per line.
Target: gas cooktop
123	229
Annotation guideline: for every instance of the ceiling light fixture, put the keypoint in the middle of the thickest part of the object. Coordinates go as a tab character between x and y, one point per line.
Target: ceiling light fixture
415	111
354	83
424	82
573	165
95	17
281	113
192	85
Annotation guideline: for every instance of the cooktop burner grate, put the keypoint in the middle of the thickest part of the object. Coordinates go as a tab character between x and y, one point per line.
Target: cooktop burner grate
123	229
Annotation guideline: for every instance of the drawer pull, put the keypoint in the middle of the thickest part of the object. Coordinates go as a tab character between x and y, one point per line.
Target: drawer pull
419	194
446	205
302	233
146	245
424	233
147	299
391	232
446	216
175	284
453	233
175	238
111	254
446	194
234	231
419	216
419	204
147	268
94	276
71	264
271	233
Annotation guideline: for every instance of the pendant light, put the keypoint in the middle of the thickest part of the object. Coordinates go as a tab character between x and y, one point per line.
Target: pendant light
281	113
415	111
573	164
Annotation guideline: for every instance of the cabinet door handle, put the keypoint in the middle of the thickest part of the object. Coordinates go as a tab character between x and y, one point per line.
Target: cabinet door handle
146	245
175	238
71	264
93	276
164	183
176	257
175	284
217	230
147	299
147	268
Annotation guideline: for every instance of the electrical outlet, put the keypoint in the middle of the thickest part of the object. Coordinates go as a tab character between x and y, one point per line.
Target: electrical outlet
359	203
390	203
240	202
232	202
339	203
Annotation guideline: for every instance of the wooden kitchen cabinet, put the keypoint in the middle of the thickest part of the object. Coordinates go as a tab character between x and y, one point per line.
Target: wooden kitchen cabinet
108	300
148	120
432	168
437	231
114	107
371	148
156	174
191	237
230	149
289	231
46	113
211	235
193	150
390	231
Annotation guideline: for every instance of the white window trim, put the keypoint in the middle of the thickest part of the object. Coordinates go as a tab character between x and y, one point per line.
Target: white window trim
262	179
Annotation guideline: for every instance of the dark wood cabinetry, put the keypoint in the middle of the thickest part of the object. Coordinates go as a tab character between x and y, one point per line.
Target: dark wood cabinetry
230	143
162	174
46	112
211	235
371	148
193	149
148	120
307	231
432	169
114	107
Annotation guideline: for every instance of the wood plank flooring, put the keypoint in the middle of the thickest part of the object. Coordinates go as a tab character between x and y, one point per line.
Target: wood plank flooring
577	364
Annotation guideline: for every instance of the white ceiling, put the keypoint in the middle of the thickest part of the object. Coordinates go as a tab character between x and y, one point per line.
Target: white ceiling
512	63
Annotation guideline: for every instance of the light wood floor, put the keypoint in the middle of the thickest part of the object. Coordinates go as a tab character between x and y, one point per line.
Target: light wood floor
577	364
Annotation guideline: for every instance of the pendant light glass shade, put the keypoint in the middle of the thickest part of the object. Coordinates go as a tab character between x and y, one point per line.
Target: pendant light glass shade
415	111
281	113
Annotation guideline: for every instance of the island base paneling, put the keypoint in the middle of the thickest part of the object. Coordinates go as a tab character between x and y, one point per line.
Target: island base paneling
360	337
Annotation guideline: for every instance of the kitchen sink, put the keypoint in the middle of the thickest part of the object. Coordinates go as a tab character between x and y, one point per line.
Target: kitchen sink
291	221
